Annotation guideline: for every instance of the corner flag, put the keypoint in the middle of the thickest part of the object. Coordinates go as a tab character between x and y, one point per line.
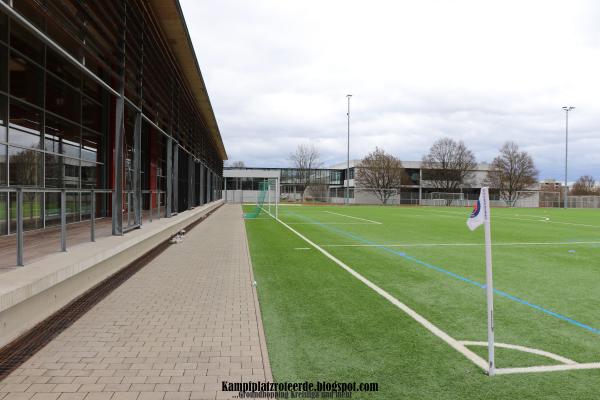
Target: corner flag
481	210
479	216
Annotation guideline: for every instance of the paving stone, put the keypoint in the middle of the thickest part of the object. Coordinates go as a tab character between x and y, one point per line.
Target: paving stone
170	332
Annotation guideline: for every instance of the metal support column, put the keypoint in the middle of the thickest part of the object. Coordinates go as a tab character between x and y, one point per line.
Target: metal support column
117	214
176	177
202	184
191	182
63	220
93	216
19	226
169	194
209	186
137	170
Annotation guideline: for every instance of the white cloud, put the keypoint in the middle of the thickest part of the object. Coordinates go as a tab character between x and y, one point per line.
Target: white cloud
481	71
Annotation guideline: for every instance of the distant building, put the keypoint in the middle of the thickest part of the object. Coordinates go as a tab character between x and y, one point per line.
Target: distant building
329	184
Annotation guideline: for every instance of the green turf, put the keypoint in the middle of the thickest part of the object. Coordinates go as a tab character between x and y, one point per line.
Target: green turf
323	324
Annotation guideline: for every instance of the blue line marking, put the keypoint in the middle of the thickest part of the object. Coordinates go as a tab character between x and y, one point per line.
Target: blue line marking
450	273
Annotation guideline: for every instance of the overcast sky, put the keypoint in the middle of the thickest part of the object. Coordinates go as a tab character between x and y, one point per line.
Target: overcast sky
484	72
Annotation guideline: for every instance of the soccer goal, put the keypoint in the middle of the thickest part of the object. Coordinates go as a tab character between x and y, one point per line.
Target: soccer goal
445	199
267	199
527	199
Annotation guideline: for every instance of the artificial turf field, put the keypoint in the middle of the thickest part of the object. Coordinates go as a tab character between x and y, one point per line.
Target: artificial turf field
321	323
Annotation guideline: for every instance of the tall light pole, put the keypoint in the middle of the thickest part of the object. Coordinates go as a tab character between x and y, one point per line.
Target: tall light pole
566	193
348	155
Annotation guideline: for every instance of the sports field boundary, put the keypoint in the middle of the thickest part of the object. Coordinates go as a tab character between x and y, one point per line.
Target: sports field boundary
458	345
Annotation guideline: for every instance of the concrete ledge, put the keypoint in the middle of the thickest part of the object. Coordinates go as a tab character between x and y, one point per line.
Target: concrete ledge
32	293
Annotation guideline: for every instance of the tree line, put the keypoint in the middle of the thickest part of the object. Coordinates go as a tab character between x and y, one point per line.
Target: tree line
447	167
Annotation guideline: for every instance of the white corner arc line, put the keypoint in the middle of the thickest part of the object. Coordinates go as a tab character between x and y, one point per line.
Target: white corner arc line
524	349
350	216
455	344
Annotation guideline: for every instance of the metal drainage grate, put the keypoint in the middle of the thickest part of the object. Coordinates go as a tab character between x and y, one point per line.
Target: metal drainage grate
25	346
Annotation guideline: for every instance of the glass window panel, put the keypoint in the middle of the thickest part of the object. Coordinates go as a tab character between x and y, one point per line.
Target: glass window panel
32	211
3	119
26	43
61	172
62	37
3	27
92	149
25	123
62	99
62	68
89	172
25	167
71	172
3	213
72	207
52	207
3	179
3	65
92	115
86	206
92	89
62	137
54	171
26	79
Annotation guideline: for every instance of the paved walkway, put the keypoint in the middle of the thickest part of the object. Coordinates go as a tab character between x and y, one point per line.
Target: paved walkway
175	330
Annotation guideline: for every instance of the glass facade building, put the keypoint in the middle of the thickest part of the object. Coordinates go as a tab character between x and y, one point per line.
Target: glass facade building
102	95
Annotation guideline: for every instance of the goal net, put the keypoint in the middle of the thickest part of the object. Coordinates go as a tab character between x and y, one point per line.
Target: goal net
267	199
442	199
527	199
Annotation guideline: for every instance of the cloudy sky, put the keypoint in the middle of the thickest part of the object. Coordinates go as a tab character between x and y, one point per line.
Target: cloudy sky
479	71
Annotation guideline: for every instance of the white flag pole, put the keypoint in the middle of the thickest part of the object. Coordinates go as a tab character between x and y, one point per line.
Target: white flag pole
489	282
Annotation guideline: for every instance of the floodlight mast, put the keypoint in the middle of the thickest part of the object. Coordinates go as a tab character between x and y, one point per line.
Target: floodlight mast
566	188
348	156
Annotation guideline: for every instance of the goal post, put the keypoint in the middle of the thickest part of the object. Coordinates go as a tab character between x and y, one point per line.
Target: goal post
527	199
273	195
267	199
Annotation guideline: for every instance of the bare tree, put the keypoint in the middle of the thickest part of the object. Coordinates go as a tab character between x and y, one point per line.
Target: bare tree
306	161
238	164
585	186
379	173
511	172
448	164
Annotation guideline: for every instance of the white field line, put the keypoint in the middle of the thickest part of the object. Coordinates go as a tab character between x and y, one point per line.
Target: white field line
547	368
330	223
524	349
350	216
459	244
455	344
538	219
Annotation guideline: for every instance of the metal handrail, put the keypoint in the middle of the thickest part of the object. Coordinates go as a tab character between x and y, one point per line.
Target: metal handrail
63	211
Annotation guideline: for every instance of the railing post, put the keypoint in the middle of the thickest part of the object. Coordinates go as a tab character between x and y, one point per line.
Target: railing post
158	205
63	220
150	206
19	227
128	209
93	216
